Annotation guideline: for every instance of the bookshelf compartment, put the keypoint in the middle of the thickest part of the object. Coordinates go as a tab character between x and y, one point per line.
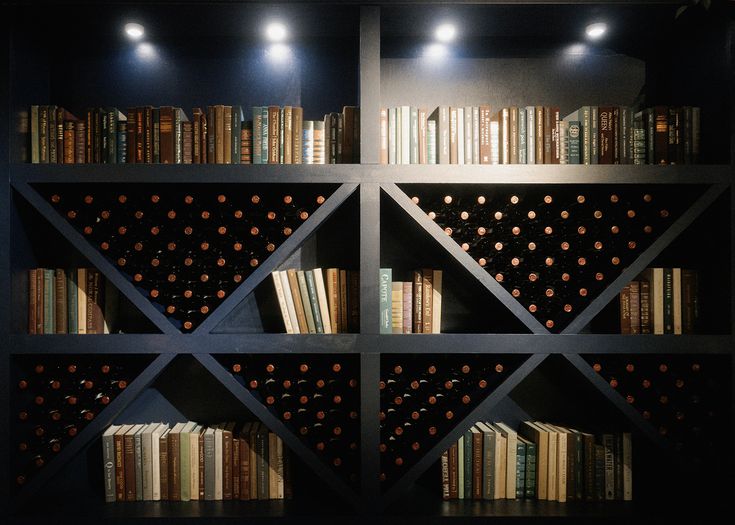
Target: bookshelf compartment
38	244
554	249
466	307
422	399
55	397
334	244
316	396
708	258
189	58
186	250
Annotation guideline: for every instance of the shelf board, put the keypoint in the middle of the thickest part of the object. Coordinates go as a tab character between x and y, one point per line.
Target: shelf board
21	344
264	509
359	173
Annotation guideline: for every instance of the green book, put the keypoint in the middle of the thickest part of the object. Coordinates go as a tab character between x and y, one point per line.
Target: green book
467	443
314	301
520	469
257	135
185	460
304	292
384	290
530	475
71	301
49	301
594	136
488	461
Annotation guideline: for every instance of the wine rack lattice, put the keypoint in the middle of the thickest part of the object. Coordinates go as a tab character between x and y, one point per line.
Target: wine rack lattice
56	397
316	396
423	397
686	398
554	248
186	249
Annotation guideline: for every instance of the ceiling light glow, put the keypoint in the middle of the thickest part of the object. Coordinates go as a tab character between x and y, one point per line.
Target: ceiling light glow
596	30
276	32
445	32
436	51
134	31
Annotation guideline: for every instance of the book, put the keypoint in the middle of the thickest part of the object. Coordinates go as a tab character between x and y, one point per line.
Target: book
156	478
174	462
163	464
321	293
108	461
397	307
306	302
129	462
276	276
384	308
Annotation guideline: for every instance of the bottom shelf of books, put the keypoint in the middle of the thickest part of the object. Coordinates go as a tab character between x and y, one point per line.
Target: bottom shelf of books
185	445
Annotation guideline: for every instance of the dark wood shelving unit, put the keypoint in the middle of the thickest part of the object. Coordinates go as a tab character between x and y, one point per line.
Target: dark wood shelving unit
367	51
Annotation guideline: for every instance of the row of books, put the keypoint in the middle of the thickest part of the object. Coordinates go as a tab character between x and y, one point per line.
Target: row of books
219	135
538	461
411	307
660	301
318	301
539	135
70	301
188	461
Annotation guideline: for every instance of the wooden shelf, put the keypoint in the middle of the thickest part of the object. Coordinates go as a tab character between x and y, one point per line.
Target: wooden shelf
370	173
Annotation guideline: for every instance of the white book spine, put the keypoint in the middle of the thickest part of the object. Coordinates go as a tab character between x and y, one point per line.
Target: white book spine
218	464
436	305
148	464
194	438
405	135
531	134
475	134
460	136
282	301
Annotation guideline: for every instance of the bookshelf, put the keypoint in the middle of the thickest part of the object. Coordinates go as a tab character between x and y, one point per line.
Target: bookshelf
368	55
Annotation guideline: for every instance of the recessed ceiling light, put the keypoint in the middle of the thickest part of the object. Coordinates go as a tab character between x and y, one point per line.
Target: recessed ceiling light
596	30
445	32
276	32
134	30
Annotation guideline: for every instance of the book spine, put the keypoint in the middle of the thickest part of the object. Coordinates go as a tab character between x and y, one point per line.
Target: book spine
60	309
616	135
244	467
445	474
129	461
384	291
627	468
52	130
418	302
220	136
634	289
520	485
32	305
236	145
453	471
227	135
618	465
668	294
314	301
625	310
226	463
119	467
522	136
208	466
605	134
108	460
298	135
427	295
138	466
306	302
49	302
645	307
43	137
608	443
531	470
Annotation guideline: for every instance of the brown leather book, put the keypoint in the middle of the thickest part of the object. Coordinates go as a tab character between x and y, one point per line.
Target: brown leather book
219	136
69	142
625	310
211	136
148	133
39	300
226	462
477	458
129	462
139	135
188	141
454	471
348	134
174	463
246	143
196	129
120	463
244	465
332	282
164	467
555	140
166	133
80	144
235	467
274	121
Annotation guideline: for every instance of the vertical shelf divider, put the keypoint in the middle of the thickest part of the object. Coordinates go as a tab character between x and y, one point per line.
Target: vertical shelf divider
369	88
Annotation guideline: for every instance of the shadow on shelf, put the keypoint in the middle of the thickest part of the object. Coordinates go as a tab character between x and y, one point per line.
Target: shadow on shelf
334	244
